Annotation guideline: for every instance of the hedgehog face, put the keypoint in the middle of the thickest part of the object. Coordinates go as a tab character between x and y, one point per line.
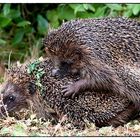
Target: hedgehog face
65	64
65	61
13	98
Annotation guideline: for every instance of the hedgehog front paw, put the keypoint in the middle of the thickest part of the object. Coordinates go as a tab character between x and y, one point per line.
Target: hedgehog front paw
70	90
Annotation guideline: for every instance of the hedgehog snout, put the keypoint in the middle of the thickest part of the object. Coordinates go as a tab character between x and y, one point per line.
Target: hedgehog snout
56	72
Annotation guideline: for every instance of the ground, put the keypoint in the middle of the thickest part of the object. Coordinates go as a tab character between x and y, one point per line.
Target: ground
29	125
35	127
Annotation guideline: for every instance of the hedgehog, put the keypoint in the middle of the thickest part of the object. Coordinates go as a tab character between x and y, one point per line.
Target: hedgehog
34	86
104	52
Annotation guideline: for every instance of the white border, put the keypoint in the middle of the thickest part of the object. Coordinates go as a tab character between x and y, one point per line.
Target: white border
70	1
67	138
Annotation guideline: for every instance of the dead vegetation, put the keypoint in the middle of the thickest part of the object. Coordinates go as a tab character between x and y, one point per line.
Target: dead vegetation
36	127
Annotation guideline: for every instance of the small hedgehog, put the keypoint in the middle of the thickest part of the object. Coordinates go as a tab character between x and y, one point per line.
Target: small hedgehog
105	52
34	85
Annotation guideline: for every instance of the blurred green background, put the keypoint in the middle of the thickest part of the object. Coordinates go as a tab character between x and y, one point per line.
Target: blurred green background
22	26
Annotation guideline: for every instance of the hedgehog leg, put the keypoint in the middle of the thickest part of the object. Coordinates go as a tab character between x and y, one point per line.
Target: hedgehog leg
73	89
130	113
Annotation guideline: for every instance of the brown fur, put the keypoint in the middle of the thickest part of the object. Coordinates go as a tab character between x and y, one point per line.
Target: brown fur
103	51
101	108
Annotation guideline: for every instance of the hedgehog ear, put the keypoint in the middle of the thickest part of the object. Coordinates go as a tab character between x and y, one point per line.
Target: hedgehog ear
31	88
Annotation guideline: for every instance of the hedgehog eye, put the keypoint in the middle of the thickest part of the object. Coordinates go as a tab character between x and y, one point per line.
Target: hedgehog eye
65	63
11	98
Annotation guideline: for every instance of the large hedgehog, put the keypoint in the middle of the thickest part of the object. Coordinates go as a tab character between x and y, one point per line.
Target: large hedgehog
106	53
33	85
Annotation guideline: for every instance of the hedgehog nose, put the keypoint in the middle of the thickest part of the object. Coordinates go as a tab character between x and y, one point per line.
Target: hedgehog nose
56	72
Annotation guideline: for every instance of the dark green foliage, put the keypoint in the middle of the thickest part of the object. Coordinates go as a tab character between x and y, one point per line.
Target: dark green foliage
22	26
38	73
